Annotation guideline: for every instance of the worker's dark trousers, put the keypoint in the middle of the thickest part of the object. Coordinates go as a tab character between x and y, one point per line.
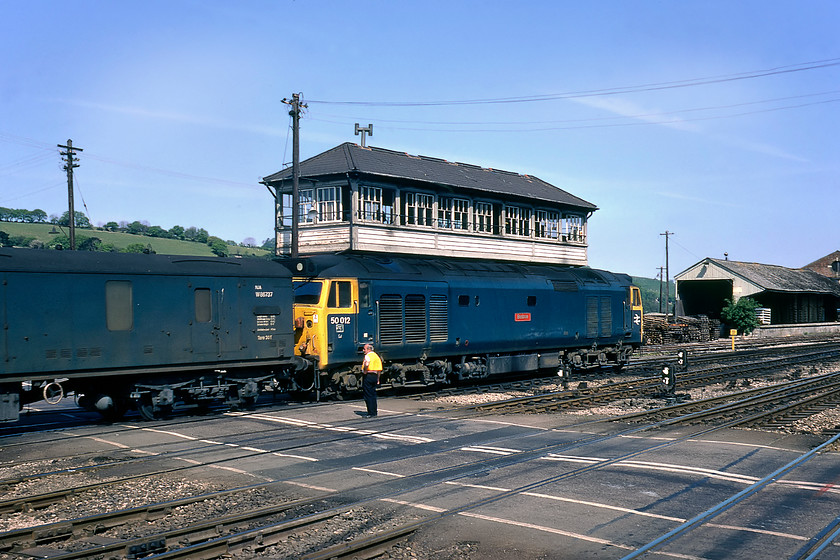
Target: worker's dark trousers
369	391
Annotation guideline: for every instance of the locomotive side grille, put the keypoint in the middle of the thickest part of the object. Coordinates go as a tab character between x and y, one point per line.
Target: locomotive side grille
390	319
606	316
438	318
415	319
591	317
564	285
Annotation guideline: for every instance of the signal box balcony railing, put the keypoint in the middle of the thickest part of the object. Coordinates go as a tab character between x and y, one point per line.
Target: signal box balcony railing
524	242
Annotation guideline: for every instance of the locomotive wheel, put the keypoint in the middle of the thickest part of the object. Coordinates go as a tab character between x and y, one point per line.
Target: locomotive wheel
244	403
149	411
116	411
53	393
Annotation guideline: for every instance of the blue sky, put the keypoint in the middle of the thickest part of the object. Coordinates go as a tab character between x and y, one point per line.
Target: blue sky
715	120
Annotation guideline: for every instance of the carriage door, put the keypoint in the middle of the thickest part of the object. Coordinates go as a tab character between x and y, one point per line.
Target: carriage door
215	327
366	318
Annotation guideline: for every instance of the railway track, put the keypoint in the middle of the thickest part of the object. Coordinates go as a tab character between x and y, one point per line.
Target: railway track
257	531
658	386
773	406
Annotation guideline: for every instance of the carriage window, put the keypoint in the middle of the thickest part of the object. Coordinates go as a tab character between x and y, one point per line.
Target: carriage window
119	305
203	305
339	294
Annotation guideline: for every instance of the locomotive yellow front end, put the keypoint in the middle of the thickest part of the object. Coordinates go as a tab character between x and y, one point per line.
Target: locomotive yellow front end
325	312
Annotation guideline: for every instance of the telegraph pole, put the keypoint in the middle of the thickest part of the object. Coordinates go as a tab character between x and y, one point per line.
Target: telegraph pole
661	272
69	155
667	276
295	114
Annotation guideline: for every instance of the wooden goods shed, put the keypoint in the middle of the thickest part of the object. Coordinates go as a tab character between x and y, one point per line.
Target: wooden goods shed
792	296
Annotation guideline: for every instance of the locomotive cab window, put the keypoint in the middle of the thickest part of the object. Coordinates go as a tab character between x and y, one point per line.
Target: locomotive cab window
307	293
340	294
119	305
364	294
203	305
532	301
464	301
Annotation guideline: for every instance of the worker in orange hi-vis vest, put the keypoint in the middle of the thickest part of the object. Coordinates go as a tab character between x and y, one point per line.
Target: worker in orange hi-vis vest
371	370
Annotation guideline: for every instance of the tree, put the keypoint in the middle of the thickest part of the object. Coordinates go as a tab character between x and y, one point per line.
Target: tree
157	231
741	315
35	216
136	228
134	248
219	247
80	219
4	239
112	226
89	244
177	232
139	248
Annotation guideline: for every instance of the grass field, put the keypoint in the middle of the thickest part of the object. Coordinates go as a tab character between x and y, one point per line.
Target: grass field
45	232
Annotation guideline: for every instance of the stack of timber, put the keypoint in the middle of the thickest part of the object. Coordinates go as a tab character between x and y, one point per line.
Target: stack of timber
699	328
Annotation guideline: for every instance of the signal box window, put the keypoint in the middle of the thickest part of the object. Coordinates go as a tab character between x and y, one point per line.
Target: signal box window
483	217
203	305
119	305
339	294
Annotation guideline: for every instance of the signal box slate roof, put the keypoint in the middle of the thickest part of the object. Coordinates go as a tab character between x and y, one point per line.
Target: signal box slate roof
379	162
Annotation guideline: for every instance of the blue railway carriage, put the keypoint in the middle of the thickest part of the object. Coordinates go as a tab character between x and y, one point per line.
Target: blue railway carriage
143	330
443	320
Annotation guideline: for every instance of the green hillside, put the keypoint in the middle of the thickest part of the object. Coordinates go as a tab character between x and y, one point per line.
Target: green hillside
650	294
46	233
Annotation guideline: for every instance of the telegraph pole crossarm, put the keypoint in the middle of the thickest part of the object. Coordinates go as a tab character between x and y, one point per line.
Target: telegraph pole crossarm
69	155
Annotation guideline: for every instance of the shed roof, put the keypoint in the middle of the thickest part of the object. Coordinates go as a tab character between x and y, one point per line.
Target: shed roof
380	162
776	278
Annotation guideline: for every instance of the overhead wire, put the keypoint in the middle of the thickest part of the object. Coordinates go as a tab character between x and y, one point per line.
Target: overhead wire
590	119
799	67
638	122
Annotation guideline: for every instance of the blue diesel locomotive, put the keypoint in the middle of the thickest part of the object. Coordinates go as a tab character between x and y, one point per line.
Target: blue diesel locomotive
437	320
142	330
